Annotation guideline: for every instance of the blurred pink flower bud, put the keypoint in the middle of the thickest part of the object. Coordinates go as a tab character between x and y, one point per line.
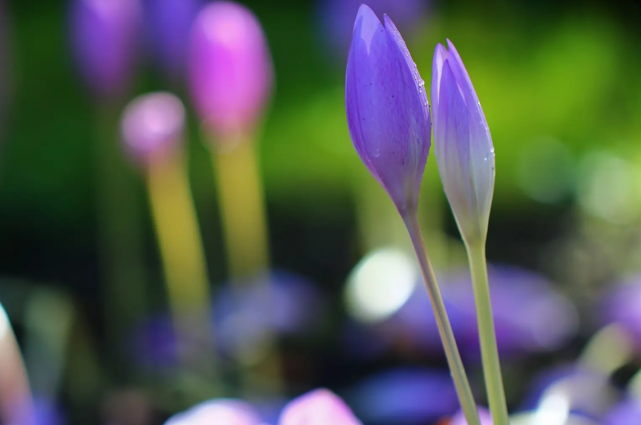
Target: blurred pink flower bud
231	73
104	37
319	407
152	126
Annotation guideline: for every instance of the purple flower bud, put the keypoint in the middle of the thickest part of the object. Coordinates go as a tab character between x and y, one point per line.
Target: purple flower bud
319	407
104	40
231	73
170	23
387	109
223	412
462	144
152	126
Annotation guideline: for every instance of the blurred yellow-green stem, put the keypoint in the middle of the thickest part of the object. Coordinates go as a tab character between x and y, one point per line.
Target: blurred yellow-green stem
244	220
463	390
242	207
487	336
180	245
119	231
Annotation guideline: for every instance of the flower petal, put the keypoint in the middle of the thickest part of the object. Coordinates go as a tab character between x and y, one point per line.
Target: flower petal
481	147
452	150
319	407
440	55
387	110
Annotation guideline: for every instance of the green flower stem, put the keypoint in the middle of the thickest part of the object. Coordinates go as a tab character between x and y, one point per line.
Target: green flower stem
454	361
487	336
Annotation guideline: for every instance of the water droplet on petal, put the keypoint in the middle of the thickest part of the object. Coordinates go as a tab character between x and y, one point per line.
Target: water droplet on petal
376	153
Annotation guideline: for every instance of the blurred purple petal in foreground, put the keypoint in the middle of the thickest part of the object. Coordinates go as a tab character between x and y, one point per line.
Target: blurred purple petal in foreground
104	39
230	68
169	29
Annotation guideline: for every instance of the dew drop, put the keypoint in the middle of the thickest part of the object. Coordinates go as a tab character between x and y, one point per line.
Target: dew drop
376	153
421	83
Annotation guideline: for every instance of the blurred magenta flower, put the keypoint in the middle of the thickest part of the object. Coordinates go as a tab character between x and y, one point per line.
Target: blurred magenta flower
169	29
230	68
104	37
391	396
337	18
462	144
387	109
152	126
223	412
319	407
484	414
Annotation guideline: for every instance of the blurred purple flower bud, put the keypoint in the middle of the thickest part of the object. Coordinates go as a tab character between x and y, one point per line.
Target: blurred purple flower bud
387	109
337	18
318	407
389	397
152	126
170	24
621	306
484	415
104	37
230	68
223	412
462	144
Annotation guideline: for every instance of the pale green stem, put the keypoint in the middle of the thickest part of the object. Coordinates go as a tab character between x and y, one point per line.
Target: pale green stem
462	385
487	336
